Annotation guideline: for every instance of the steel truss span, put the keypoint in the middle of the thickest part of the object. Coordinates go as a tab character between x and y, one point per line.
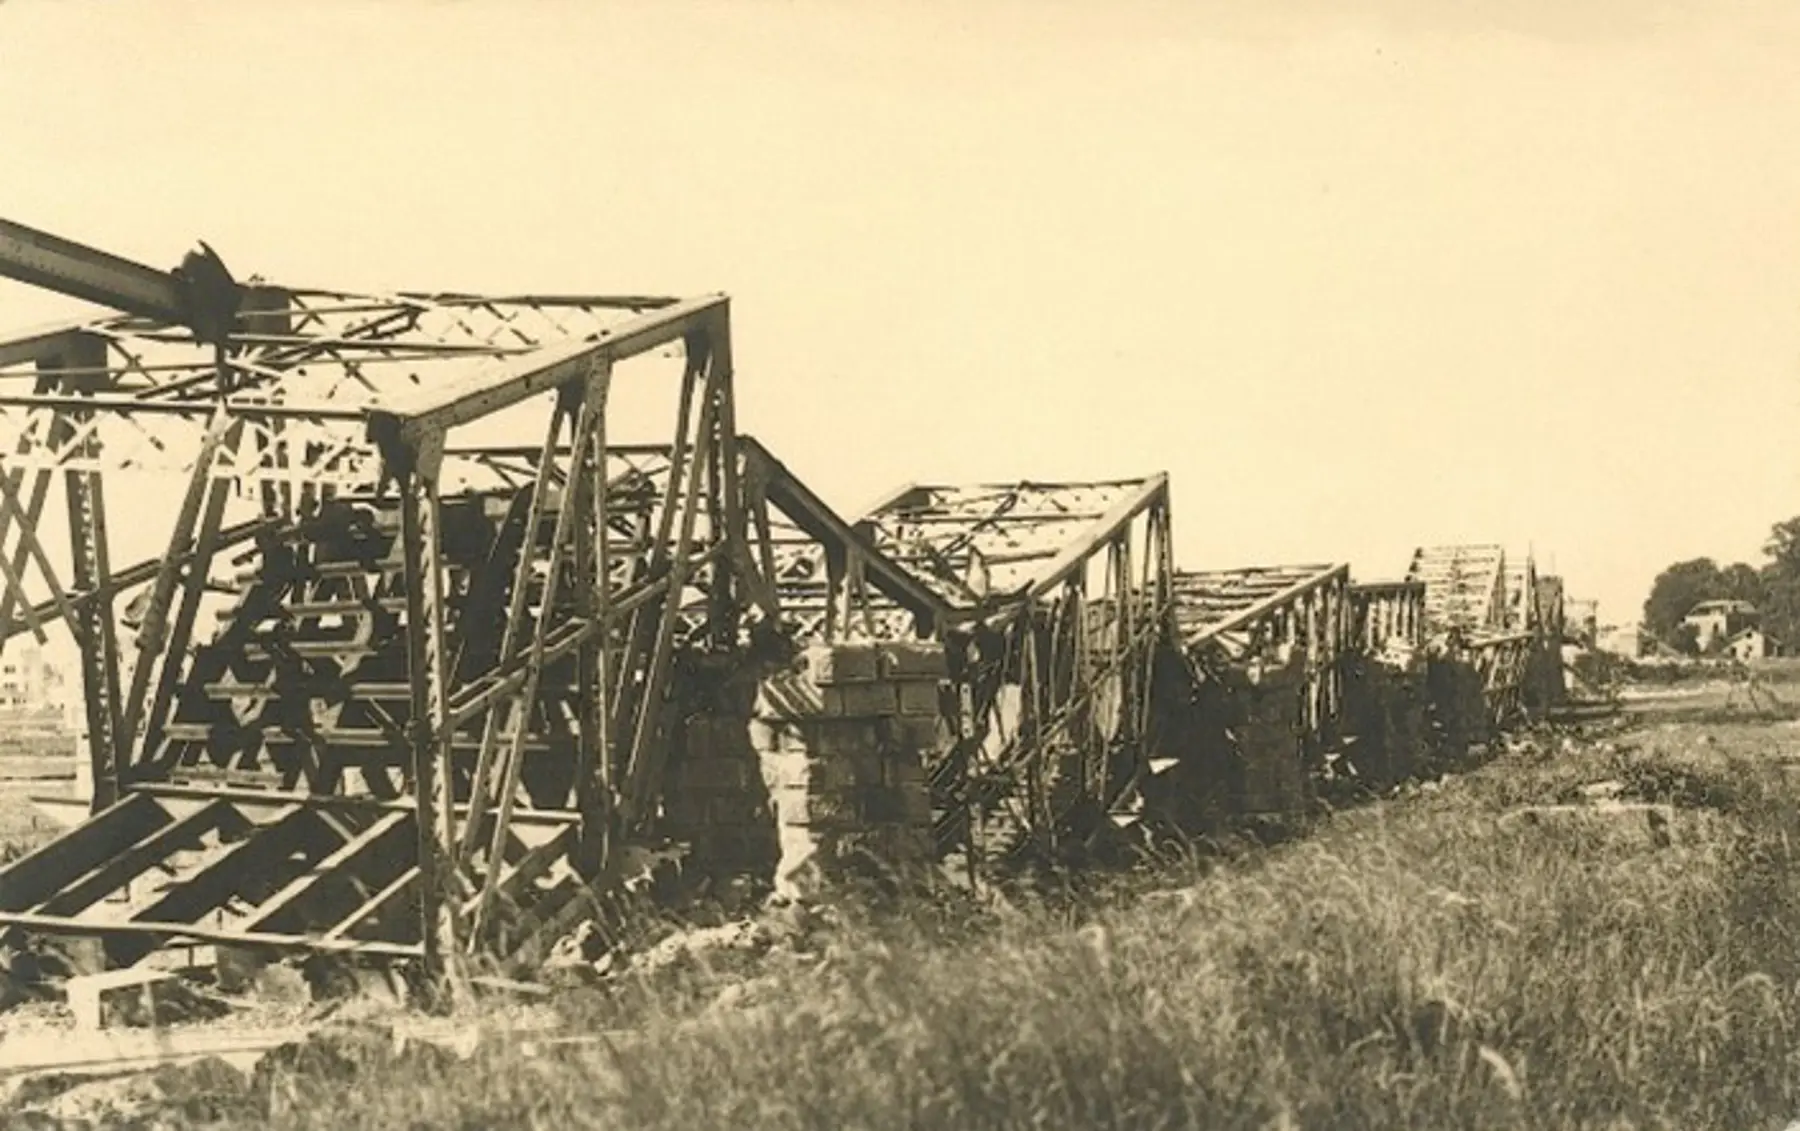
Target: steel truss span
384	632
426	649
399	676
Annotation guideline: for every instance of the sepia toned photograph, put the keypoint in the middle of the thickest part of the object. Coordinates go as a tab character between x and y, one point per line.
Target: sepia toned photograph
885	565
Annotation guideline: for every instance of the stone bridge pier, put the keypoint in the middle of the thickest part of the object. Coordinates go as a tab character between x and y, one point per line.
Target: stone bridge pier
812	774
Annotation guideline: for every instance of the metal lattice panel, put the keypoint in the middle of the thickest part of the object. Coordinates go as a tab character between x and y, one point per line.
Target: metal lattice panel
1464	587
143	395
972	545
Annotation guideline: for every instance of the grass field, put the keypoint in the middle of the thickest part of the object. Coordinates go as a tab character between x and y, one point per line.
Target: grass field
1435	961
40	766
1454	958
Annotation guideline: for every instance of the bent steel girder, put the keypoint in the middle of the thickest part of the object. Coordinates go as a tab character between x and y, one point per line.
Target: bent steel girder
1050	651
829	575
1058	597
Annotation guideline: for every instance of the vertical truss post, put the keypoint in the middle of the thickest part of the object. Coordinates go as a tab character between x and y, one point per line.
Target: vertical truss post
91	574
727	604
1161	592
755	563
1128	598
836	565
1340	602
430	736
758	507
593	675
1038	810
1119	559
640	633
1087	714
853	593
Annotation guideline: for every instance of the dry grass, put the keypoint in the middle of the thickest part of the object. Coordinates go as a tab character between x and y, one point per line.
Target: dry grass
1422	964
22	827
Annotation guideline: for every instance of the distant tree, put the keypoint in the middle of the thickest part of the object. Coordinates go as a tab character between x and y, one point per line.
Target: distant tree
1676	591
1739	582
1774	590
1780	582
1685	639
1783	547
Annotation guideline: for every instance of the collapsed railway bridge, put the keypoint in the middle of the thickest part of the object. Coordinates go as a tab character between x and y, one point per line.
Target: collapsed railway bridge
432	652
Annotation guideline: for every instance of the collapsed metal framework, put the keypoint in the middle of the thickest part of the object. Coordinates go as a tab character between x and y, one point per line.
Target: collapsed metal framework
1484	610
417	621
1061	599
400	682
1052	599
1275	615
1465	589
434	703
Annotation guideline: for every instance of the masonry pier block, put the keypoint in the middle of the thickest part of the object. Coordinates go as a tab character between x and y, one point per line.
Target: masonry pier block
1268	734
714	797
844	737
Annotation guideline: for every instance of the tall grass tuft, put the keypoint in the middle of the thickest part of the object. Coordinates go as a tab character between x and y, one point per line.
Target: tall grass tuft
1427	963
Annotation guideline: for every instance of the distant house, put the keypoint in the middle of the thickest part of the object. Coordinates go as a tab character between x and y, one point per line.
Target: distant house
27	680
1624	640
1581	619
1715	622
1754	644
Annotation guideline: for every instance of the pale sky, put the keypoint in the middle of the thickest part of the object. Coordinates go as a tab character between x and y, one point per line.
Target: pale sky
1358	275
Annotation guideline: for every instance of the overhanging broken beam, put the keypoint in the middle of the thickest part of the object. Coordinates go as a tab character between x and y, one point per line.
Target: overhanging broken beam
66	267
823	524
38	344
